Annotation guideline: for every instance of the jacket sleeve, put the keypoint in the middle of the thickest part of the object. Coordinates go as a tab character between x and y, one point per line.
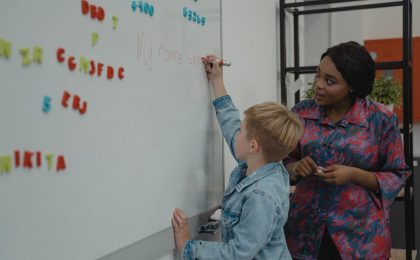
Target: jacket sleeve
228	117
251	233
392	170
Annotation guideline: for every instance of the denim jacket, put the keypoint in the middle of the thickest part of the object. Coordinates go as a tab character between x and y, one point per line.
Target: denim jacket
254	207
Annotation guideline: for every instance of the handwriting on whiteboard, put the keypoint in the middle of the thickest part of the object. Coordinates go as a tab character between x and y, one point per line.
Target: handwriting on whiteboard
149	53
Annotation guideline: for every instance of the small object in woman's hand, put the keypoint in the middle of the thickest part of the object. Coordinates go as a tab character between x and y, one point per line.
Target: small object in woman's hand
320	170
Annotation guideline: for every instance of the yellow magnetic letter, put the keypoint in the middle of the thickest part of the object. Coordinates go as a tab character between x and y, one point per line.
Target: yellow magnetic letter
84	64
5	48
5	164
25	56
95	37
37	55
49	157
114	22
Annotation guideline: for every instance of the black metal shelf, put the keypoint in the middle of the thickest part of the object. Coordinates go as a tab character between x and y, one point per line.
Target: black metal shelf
405	64
379	66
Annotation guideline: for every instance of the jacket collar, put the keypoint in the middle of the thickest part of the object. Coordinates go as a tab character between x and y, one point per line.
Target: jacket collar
244	181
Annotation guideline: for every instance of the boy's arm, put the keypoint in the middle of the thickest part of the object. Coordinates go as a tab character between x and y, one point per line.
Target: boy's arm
226	112
229	122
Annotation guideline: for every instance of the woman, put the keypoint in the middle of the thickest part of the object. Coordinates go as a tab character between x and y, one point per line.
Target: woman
349	164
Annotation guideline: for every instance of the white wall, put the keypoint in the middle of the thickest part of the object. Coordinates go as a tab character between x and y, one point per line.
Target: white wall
249	41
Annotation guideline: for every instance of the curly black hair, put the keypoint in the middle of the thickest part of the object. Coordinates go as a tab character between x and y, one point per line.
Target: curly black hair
356	66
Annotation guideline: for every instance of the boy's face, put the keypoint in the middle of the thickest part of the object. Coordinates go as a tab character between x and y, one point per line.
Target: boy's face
242	142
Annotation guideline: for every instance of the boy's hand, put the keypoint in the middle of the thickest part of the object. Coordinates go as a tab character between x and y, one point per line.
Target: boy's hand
213	69
181	229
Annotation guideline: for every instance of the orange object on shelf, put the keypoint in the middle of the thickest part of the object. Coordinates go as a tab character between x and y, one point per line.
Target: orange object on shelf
387	50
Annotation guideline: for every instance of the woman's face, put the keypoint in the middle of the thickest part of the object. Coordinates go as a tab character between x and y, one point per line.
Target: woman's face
330	86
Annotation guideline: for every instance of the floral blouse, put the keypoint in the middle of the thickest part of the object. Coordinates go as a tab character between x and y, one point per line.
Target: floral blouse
357	218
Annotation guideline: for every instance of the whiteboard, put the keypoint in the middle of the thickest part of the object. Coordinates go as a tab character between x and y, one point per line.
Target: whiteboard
94	159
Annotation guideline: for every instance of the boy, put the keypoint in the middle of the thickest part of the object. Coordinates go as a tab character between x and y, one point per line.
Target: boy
256	201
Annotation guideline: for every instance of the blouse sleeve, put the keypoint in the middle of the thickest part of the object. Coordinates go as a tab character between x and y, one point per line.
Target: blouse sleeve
392	169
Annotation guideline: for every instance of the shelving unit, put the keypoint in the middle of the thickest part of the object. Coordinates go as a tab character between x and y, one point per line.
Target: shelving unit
297	10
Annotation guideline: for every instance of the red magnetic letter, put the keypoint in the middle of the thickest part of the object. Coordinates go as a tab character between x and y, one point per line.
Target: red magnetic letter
27	160
121	73
17	158
100	66
76	102
92	67
38	159
61	164
101	14
66	96
71	63
85	7
83	109
60	52
93	12
110	72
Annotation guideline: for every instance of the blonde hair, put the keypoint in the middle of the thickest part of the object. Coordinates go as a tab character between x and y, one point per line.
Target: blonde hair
274	127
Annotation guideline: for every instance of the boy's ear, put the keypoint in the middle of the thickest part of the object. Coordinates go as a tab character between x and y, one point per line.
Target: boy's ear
254	147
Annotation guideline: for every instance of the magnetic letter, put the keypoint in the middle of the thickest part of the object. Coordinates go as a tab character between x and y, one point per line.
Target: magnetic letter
5	48
76	102
133	5
46	105
83	109
100	66
92	68
101	14
25	56
49	157
110	72
114	22
85	7
60	52
84	64
71	63
121	73
37	57
17	158
93	12
61	163
38	159
27	159
95	37
5	164
66	96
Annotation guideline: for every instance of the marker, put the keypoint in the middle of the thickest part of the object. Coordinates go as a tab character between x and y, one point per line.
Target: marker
220	61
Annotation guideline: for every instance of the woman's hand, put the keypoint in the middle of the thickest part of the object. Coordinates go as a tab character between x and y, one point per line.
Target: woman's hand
336	174
181	229
342	174
303	168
